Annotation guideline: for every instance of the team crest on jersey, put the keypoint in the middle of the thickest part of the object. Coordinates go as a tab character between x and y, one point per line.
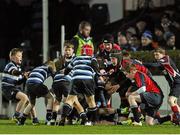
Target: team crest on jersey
87	50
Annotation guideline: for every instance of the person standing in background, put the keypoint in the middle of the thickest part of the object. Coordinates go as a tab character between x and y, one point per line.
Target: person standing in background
82	39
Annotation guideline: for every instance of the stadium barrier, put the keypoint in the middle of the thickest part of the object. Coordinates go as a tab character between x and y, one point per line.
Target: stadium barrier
7	108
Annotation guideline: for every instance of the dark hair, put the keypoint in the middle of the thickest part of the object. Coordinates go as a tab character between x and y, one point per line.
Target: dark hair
83	24
68	44
160	50
108	38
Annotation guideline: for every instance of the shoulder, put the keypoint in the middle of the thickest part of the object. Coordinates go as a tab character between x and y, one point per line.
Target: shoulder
116	47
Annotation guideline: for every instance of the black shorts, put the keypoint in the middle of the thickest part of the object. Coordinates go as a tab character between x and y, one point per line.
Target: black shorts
61	88
86	87
175	90
10	92
152	102
36	90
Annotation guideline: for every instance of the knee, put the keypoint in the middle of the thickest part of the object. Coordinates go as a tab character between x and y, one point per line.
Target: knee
170	101
25	98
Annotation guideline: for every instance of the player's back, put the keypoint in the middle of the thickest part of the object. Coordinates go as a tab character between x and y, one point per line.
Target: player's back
38	75
82	67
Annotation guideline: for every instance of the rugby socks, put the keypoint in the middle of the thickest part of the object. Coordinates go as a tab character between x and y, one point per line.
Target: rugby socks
49	115
84	118
17	114
164	119
66	110
54	115
176	117
23	119
92	114
175	109
136	113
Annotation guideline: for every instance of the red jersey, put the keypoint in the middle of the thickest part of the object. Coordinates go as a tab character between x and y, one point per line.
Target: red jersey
141	79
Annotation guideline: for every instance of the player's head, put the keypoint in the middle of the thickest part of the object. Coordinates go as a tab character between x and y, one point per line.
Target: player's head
108	41
15	55
85	28
159	53
51	65
115	57
68	49
129	70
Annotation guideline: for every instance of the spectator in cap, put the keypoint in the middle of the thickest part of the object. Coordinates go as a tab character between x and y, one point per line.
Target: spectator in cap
170	41
146	41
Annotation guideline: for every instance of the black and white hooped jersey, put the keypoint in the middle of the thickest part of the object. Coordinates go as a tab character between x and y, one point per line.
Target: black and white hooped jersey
8	79
83	67
61	77
39	75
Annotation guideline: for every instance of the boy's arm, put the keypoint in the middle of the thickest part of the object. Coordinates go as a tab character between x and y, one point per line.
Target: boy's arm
155	64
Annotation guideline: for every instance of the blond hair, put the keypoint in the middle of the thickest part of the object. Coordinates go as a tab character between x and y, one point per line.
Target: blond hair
14	51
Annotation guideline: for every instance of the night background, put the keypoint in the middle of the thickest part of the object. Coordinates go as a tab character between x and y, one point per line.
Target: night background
21	24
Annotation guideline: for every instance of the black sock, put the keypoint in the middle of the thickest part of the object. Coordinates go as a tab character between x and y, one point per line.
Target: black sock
83	116
49	115
54	115
92	114
17	114
135	113
66	110
164	119
23	118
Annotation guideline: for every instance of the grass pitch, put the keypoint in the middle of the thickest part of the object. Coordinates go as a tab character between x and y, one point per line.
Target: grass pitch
9	127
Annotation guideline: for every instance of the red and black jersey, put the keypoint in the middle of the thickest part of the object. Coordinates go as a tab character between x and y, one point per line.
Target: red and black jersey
172	73
169	66
141	79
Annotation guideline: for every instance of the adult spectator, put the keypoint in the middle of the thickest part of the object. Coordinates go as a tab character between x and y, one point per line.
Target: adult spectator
82	39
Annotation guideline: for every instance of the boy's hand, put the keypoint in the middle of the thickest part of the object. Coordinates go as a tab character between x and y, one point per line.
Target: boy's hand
26	74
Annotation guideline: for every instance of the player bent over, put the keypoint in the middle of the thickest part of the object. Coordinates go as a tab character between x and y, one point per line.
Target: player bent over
148	92
36	89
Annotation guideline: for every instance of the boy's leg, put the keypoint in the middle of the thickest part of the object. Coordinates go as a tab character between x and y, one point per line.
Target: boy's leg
133	99
81	112
175	108
67	108
23	99
50	99
92	110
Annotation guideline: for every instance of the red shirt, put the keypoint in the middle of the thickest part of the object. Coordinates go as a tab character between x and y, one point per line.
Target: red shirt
141	79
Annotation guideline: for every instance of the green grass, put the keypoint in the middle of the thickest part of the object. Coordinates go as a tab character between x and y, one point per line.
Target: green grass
8	127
